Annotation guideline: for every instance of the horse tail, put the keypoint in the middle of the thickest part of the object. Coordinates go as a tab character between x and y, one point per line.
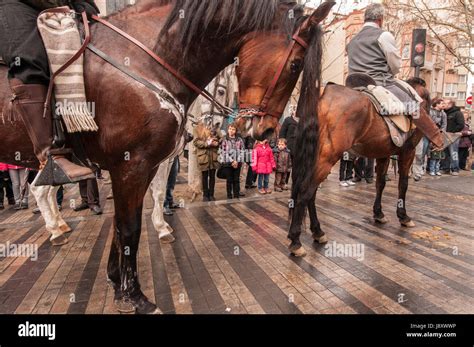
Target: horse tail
307	139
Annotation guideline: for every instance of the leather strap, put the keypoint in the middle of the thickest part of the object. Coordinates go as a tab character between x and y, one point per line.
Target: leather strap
131	74
163	63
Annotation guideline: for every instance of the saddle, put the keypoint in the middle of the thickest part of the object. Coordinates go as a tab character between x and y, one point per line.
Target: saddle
387	104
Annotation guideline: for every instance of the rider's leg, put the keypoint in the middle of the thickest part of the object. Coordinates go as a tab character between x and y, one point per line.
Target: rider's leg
419	115
28	103
23	51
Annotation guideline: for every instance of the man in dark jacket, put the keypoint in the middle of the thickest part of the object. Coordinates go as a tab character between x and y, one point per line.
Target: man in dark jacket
455	124
288	132
21	47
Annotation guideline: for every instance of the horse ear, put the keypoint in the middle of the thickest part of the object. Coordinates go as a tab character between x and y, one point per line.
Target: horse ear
319	14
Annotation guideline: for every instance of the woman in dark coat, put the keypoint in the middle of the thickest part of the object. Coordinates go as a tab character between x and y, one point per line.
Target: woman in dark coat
465	143
207	143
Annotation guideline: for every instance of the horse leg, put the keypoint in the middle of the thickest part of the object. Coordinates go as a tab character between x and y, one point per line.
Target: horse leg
308	200
297	213
122	267
405	161
41	195
158	191
113	277
318	235
382	168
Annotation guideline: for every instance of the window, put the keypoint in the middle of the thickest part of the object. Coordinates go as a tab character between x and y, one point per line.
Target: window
406	52
451	90
461	95
462	78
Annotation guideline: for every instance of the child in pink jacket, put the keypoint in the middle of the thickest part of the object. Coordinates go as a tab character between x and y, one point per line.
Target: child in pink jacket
263	164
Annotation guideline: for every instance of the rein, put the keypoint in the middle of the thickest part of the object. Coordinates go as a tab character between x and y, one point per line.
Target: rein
204	93
245	110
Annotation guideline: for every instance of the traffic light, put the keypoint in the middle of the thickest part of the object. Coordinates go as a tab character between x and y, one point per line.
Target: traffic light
418	48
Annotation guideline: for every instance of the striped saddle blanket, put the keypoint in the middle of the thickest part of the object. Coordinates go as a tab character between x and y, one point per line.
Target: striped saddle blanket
62	40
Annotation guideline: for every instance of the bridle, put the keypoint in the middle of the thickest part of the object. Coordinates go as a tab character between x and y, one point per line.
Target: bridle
248	110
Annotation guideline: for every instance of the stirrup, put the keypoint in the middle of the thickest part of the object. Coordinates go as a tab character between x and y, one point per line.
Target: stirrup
53	175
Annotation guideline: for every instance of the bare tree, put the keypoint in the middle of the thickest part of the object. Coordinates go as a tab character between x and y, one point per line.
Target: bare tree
449	21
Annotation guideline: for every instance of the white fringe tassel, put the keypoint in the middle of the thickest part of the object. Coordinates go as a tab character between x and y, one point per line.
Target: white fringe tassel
77	118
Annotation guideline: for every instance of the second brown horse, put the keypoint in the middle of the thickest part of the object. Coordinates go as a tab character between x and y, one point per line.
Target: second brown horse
339	120
137	128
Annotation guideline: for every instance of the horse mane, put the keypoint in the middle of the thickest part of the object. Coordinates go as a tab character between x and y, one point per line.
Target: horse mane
356	80
195	18
419	85
308	127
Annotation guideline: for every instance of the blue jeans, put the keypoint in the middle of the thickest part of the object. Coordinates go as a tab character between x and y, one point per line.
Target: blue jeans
454	156
426	148
60	196
434	165
263	181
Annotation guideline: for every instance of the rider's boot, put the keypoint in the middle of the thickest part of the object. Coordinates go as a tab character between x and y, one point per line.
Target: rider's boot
28	102
429	129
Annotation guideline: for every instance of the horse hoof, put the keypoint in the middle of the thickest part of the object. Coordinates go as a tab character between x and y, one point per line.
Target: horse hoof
409	224
65	228
299	253
383	220
320	239
124	306
59	241
157	311
143	306
167	239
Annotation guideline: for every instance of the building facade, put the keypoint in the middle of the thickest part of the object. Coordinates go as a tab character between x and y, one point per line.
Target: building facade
445	77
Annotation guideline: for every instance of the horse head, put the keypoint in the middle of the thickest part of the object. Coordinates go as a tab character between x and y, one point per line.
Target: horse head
269	66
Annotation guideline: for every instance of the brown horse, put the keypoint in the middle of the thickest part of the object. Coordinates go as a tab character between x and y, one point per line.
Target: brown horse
138	128
345	119
251	120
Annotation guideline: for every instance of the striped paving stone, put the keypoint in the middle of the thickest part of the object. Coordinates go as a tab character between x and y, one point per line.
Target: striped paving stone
232	257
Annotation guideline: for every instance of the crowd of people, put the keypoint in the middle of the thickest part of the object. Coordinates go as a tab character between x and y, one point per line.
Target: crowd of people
456	123
451	120
224	154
